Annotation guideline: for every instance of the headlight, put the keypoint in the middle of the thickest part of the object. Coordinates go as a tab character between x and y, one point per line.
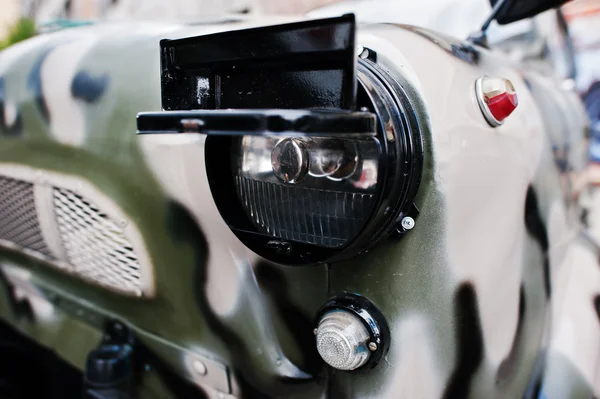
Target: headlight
330	163
318	195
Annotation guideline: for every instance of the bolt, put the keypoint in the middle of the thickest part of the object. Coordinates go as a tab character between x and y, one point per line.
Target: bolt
315	331
408	223
372	346
359	49
364	54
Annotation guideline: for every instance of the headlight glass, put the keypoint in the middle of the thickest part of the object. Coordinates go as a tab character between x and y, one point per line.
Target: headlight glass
313	190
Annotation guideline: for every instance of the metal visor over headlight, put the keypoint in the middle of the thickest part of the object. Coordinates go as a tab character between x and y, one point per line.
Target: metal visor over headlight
311	154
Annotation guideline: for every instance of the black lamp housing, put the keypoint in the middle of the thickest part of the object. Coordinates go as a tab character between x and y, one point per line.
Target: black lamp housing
295	80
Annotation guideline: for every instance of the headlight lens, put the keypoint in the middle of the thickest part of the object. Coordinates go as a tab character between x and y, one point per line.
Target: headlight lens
313	190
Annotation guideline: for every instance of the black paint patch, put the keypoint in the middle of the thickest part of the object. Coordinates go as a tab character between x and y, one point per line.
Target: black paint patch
273	282
183	227
87	87
597	305
15	128
507	366
536	227
469	348
34	83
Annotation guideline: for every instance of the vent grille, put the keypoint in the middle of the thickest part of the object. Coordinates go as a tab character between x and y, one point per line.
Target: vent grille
18	216
95	245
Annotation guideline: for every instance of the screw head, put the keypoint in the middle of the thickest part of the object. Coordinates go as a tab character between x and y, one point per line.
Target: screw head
408	223
372	346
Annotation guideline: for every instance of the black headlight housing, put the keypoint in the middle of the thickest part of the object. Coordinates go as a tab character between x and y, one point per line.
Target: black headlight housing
313	154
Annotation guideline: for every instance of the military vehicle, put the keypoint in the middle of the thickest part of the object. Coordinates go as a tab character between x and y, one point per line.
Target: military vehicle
274	207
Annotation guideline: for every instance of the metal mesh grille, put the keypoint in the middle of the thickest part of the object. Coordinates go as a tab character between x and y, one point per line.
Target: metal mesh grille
18	216
322	217
94	244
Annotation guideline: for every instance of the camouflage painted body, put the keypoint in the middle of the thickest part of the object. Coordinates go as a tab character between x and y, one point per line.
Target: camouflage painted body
490	295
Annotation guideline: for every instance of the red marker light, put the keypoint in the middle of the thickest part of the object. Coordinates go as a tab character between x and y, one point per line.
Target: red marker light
502	105
497	99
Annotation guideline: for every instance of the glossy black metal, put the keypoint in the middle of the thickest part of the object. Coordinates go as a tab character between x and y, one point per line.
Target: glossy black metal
370	315
402	156
275	122
309	64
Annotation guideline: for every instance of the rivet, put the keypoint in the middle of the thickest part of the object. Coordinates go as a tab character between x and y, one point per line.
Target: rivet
408	223
372	346
199	367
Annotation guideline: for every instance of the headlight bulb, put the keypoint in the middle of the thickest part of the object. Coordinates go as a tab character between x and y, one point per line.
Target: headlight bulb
289	160
332	158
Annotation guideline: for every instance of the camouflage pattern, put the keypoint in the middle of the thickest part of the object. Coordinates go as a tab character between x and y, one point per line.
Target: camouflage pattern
492	294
